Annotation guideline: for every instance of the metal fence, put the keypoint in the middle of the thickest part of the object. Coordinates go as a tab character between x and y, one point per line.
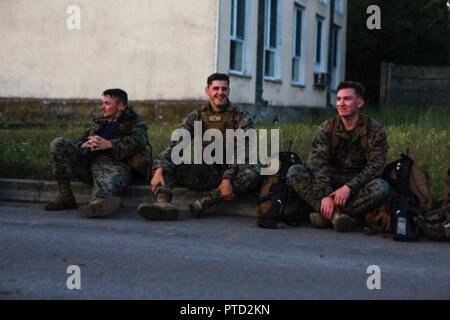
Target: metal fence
414	85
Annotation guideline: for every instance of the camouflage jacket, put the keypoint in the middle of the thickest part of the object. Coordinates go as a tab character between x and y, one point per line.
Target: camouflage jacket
131	138
238	120
350	159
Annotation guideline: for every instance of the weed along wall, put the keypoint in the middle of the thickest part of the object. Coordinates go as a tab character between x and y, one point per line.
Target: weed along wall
41	111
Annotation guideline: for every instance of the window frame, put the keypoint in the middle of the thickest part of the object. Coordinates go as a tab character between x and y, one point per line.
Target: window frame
244	41
336	55
298	57
319	66
268	41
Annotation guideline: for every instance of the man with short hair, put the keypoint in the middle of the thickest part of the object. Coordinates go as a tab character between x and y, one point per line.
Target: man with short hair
342	182
103	156
223	181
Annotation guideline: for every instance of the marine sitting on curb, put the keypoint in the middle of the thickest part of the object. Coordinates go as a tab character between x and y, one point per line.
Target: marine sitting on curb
223	181
342	182
104	156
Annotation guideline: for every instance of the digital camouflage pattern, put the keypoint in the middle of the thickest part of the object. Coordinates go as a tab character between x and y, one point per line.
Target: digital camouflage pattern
350	164
207	177
131	139
109	170
202	177
230	118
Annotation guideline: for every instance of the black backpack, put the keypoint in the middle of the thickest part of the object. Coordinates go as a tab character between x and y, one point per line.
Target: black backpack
276	196
410	196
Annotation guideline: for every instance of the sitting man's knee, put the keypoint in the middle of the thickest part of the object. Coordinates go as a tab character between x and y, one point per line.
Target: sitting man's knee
378	189
248	178
58	143
296	171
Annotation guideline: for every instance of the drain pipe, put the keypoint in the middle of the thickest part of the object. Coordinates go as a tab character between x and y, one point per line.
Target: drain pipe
259	100
216	45
330	54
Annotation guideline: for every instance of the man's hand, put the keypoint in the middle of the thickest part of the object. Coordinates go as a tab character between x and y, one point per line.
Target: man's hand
226	190
157	180
341	196
100	143
95	143
87	145
327	207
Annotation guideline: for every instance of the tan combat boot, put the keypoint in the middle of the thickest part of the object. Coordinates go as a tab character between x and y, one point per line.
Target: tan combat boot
318	220
161	210
65	199
99	207
199	207
342	222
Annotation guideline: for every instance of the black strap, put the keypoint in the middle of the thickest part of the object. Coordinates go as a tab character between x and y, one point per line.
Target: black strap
265	198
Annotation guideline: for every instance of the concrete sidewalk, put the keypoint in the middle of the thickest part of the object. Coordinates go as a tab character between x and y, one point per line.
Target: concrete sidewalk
43	191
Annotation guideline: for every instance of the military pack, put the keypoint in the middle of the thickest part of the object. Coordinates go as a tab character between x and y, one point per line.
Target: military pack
435	223
278	202
410	210
409	198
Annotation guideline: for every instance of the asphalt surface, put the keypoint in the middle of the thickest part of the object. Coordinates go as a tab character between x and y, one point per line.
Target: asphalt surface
222	257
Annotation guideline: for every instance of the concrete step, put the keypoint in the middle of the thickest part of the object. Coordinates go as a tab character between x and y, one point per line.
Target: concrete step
43	191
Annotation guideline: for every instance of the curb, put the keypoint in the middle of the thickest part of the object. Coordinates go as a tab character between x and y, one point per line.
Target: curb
43	191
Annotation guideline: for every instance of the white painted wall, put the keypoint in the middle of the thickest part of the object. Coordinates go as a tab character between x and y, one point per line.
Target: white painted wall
158	49
154	49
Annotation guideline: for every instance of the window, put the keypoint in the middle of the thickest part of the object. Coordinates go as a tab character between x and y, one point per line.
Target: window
339	6
318	51
298	68
319	44
335	58
237	35
335	45
271	41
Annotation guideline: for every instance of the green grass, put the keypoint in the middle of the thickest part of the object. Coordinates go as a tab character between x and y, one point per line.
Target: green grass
426	132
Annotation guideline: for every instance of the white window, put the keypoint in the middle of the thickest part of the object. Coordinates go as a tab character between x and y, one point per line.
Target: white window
238	36
339	6
319	44
298	45
336	56
323	1
272	40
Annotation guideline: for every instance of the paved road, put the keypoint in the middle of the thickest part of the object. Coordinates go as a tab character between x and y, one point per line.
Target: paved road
223	257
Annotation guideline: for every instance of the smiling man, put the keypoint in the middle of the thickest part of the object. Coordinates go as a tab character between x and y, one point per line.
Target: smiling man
223	181
342	182
104	156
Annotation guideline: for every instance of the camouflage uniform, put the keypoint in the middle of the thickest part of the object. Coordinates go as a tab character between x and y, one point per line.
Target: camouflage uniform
108	170
206	177
351	164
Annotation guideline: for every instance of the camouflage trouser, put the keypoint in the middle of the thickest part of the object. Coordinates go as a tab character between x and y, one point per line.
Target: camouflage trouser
109	177
370	197
202	177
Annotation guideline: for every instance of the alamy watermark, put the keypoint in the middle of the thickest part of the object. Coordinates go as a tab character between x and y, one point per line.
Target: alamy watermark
374	280
237	142
374	21
73	282
73	21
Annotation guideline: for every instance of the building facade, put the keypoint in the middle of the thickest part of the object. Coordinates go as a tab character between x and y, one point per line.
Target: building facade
295	49
163	50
